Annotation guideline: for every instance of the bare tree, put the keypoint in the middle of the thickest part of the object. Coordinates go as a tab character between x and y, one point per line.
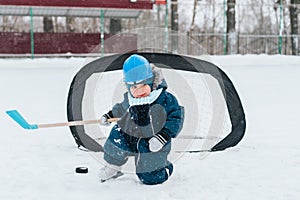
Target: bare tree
70	21
4	23
115	26
294	11
231	46
194	15
174	24
48	24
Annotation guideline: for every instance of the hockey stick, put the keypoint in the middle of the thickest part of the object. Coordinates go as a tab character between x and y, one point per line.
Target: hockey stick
17	117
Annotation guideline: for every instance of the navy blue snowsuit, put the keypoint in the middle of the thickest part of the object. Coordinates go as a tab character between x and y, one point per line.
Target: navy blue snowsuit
128	139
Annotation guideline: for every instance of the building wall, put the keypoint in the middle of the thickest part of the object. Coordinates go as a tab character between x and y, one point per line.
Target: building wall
56	43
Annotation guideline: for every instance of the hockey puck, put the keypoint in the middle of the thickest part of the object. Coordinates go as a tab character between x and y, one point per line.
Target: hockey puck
81	170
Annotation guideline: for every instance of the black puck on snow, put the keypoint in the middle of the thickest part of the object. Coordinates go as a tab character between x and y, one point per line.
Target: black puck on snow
81	170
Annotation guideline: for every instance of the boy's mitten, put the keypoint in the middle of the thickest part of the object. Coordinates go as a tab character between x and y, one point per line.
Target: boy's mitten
140	114
158	141
104	118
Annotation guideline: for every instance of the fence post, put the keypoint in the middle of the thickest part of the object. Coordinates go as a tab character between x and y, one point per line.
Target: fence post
102	32
31	33
224	29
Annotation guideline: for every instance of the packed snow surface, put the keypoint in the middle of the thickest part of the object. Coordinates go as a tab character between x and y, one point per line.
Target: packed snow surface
40	164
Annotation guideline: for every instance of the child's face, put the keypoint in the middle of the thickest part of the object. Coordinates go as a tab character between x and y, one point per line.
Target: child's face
140	90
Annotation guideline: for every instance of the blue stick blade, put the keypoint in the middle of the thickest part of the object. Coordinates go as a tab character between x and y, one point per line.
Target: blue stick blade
17	117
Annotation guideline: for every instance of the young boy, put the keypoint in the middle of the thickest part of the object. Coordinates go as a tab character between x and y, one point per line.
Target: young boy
149	117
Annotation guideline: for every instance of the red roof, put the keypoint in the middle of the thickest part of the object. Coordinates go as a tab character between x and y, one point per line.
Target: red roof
163	2
129	4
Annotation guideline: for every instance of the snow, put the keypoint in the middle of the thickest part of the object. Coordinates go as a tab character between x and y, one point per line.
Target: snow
40	164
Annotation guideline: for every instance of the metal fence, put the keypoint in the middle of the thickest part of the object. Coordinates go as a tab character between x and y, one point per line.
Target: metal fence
213	43
265	44
147	39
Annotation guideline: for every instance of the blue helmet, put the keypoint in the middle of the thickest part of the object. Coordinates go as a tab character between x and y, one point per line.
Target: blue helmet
136	68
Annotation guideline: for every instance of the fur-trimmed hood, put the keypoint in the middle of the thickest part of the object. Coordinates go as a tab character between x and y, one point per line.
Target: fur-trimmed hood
158	80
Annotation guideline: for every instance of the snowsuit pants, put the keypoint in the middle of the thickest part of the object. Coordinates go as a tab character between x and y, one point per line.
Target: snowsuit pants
151	167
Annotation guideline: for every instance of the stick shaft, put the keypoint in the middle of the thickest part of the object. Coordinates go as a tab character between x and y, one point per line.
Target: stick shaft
75	123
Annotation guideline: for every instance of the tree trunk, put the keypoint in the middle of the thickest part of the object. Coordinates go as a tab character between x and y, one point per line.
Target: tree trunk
174	25
5	25
115	26
70	24
194	15
294	11
231	46
48	24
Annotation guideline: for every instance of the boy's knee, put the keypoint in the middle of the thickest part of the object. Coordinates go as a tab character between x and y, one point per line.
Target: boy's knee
156	177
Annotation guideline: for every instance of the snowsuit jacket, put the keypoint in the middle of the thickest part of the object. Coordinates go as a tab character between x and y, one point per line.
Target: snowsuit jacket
167	115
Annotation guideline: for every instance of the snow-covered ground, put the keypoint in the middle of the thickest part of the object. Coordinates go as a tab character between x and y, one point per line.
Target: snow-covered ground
41	164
